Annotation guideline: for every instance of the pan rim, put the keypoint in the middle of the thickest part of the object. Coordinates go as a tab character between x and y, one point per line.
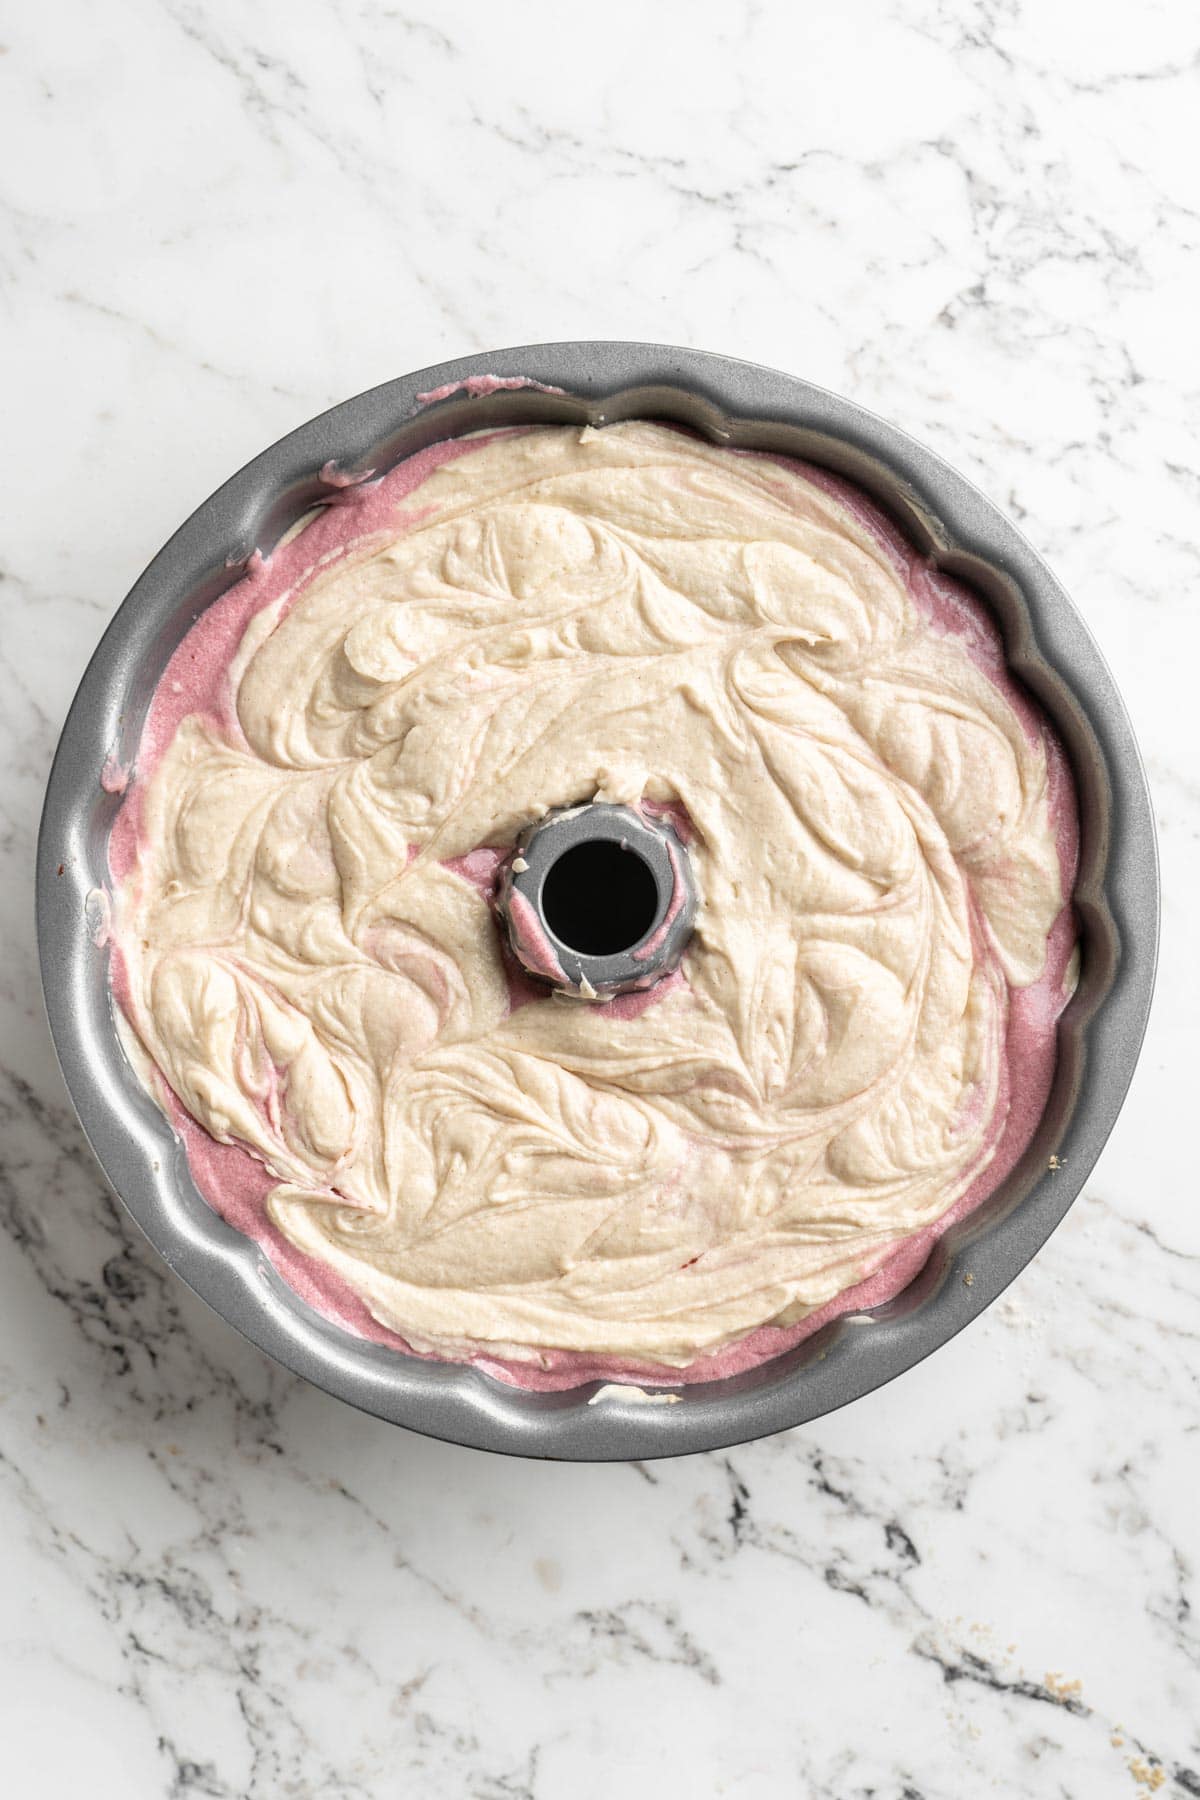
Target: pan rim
732	402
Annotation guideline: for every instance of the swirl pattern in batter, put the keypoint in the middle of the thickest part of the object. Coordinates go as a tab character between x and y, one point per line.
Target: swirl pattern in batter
882	831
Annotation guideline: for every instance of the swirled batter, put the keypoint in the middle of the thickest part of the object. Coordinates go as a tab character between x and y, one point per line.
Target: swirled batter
882	830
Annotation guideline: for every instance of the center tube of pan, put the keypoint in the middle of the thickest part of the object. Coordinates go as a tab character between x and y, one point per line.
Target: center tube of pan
598	899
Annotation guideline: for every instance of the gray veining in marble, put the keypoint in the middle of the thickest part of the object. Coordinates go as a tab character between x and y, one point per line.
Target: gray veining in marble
980	218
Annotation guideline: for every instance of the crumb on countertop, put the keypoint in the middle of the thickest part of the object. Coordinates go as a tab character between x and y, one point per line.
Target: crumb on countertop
1061	1688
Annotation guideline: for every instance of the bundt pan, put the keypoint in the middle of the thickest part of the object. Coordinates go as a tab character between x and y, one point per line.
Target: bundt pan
728	402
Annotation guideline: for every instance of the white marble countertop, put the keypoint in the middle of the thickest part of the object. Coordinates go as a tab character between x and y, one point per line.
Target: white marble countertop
980	218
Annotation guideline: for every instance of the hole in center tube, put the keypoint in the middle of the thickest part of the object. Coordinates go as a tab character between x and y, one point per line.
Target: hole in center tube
598	899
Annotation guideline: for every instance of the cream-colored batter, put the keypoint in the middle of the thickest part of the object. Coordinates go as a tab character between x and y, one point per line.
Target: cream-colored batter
632	614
